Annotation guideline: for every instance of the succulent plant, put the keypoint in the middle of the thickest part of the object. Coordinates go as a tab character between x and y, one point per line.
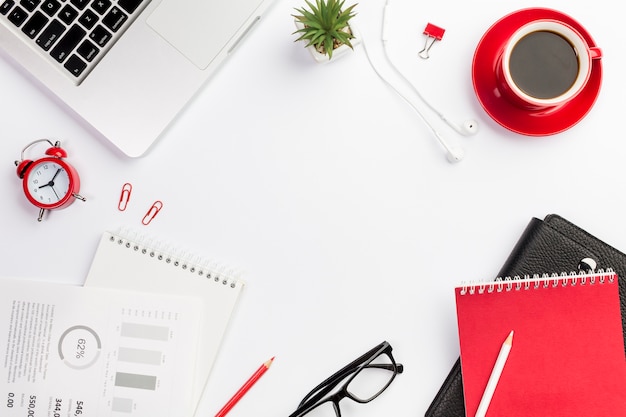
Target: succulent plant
325	25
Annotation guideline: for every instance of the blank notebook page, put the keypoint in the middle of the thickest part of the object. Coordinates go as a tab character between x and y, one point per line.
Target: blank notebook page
567	358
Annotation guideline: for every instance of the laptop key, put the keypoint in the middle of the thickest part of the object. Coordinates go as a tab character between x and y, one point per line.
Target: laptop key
50	35
88	19
35	24
100	35
80	4
67	43
6	6
18	16
88	50
114	19
101	6
30	5
75	65
50	7
68	14
129	5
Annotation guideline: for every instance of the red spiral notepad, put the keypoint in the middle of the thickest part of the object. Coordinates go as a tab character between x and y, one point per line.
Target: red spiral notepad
567	358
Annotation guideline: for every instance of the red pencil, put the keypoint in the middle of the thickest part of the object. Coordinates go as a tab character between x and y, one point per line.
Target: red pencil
244	388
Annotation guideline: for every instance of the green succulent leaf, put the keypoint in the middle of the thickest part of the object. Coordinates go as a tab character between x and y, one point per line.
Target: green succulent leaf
325	25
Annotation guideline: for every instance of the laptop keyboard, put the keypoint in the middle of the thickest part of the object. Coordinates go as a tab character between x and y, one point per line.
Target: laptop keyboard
73	34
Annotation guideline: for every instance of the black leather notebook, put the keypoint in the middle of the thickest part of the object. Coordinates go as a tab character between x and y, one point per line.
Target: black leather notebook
549	245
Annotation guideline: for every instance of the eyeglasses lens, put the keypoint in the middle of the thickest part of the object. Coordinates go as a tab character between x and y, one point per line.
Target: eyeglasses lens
372	379
325	409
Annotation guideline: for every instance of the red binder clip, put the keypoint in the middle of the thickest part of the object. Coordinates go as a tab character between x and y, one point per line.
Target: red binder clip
433	34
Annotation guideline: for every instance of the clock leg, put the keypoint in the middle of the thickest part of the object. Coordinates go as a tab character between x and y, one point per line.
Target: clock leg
79	197
40	215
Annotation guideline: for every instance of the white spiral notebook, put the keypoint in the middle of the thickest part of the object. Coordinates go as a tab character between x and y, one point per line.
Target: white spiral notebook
126	260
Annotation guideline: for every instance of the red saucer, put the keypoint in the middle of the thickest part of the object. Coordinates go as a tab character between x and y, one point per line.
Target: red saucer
528	122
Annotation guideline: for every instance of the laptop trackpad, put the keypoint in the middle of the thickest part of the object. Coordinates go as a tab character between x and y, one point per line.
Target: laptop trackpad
200	29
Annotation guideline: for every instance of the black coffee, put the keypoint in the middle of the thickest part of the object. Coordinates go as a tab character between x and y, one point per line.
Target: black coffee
543	64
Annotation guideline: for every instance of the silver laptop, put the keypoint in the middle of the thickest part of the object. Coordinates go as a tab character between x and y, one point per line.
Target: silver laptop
127	67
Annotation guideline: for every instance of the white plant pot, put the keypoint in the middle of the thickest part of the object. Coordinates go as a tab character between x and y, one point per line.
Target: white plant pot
337	53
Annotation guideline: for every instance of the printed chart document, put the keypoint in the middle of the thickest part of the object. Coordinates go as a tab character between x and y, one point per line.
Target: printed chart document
70	351
136	263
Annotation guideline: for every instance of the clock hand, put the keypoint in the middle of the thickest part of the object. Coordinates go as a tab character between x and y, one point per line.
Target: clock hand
55	193
55	175
51	182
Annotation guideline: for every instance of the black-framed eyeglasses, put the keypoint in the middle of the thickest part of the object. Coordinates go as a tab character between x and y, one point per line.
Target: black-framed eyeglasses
365	379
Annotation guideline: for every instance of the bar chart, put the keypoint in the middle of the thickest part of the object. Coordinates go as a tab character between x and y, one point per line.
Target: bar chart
144	365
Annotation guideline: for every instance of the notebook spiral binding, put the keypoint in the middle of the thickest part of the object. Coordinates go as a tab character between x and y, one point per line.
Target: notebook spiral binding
162	252
527	282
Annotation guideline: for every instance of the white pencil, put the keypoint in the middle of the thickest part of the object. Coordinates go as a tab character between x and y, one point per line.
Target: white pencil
495	376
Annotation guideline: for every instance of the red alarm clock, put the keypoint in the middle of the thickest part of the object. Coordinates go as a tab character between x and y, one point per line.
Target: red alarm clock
49	182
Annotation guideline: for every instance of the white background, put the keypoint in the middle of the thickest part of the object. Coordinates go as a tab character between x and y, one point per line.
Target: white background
331	194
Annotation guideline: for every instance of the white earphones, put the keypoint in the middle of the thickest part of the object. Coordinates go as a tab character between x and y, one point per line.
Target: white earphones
467	128
453	153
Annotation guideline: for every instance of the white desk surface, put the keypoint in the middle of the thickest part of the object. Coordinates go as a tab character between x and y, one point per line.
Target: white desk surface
331	194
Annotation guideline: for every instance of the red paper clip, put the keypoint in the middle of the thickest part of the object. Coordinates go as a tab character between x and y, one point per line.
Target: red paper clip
151	214
125	196
433	33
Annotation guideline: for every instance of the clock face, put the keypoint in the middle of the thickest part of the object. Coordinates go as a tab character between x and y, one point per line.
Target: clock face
48	183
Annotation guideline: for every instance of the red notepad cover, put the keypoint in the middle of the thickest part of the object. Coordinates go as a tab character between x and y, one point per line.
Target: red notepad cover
567	358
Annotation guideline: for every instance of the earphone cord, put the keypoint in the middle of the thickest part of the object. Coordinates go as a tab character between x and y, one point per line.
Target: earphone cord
397	91
401	75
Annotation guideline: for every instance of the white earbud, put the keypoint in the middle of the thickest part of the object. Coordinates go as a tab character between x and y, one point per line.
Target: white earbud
453	153
468	128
